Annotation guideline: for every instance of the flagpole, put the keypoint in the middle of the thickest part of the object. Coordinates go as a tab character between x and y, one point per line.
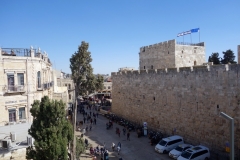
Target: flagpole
199	35
191	37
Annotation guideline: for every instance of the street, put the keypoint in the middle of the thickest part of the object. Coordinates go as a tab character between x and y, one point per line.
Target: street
135	149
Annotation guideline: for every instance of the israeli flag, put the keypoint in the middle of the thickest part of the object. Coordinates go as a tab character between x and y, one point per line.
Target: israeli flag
195	30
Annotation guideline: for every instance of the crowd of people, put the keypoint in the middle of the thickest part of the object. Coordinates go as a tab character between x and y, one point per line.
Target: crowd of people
90	115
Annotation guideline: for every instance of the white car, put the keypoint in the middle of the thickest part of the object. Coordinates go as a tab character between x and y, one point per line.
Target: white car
196	153
175	153
169	143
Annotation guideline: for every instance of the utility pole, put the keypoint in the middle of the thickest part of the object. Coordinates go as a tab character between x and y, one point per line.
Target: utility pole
74	125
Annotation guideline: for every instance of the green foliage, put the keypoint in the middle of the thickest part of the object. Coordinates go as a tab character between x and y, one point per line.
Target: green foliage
80	147
50	129
214	58
228	57
82	71
99	83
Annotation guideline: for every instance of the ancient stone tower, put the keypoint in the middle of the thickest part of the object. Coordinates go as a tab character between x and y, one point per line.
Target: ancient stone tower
171	54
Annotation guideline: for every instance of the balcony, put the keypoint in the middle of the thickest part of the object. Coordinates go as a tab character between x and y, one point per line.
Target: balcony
19	52
14	88
47	85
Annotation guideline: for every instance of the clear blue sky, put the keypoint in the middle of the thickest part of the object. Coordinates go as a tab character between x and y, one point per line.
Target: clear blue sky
115	29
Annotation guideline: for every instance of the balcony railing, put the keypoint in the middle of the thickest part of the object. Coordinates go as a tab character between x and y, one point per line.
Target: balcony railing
48	85
190	44
14	88
19	52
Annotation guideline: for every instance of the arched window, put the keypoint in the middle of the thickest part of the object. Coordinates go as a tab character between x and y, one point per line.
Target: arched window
39	79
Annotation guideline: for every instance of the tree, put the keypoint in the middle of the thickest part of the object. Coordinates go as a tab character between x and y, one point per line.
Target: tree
228	57
214	58
80	147
99	83
50	129
82	71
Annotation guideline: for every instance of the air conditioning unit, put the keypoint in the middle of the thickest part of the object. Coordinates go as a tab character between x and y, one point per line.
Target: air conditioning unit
30	140
5	143
11	123
13	136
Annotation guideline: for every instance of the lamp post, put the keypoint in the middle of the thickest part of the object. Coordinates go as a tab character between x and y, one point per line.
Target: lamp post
224	115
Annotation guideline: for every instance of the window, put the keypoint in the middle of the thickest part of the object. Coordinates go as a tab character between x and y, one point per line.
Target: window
12	115
151	66
144	67
39	79
109	87
22	113
69	86
70	96
20	77
10	77
195	63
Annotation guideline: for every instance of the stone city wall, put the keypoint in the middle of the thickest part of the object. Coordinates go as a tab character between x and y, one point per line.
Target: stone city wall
182	101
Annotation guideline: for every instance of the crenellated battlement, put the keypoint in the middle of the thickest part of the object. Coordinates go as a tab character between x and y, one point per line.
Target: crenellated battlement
212	68
158	45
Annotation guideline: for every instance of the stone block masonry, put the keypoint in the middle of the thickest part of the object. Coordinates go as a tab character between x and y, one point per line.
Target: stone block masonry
183	100
171	54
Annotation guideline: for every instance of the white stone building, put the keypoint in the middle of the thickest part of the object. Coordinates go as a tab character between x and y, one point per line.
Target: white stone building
25	75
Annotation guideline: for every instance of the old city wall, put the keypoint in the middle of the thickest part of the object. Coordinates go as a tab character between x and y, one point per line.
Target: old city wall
152	54
183	100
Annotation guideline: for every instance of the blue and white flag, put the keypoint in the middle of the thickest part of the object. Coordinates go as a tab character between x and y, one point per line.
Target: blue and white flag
195	30
184	33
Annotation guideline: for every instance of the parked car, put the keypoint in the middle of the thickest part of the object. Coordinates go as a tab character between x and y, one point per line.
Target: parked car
196	153
169	143
175	153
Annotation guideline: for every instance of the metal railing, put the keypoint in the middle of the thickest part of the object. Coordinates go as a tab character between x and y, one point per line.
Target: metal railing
14	88
190	44
19	52
48	85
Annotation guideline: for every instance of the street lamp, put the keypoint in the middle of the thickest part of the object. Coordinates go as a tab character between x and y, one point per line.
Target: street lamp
224	115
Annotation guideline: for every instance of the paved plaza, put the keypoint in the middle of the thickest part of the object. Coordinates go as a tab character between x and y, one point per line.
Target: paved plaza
135	149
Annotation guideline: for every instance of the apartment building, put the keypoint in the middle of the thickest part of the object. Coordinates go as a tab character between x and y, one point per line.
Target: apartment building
25	75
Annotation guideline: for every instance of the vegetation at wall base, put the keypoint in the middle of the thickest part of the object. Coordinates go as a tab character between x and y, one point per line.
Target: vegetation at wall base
51	130
80	147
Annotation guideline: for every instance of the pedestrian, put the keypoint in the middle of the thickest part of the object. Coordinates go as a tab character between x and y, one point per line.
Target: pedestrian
84	119
113	146
86	142
119	132
124	131
86	128
95	121
97	114
119	146
90	113
90	127
91	120
128	136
